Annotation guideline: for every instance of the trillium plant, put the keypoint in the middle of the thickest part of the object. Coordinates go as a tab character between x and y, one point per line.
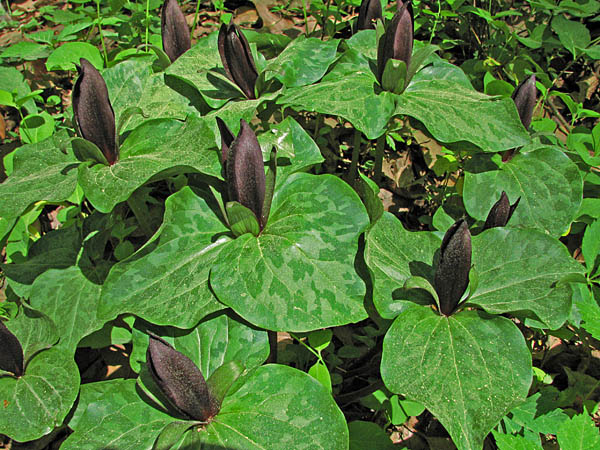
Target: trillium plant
216	219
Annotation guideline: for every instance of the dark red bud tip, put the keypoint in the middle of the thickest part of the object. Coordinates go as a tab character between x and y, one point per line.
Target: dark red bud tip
397	42
11	352
246	179
93	112
237	59
227	139
180	380
368	14
524	97
175	32
452	273
500	213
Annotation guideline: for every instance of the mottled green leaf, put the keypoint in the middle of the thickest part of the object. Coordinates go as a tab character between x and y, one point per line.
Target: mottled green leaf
169	285
453	113
71	301
34	330
299	273
579	433
36	403
150	150
209	345
547	181
303	61
393	255
521	270
467	369
45	171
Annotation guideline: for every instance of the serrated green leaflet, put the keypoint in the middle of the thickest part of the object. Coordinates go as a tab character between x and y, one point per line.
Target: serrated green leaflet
70	300
303	61
169	285
45	171
299	273
210	344
467	369
34	404
453	113
393	255
521	270
154	147
547	181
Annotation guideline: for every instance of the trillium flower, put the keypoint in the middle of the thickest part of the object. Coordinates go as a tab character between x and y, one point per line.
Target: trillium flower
11	352
245	171
452	273
237	59
174	29
524	97
180	381
369	12
501	212
397	42
93	112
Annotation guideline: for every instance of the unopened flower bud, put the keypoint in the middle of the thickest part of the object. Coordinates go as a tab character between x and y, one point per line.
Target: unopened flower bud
369	12
237	59
501	212
452	273
93	112
397	42
174	29
524	97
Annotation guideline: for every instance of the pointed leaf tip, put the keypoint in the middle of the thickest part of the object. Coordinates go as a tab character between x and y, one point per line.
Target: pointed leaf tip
180	380
246	179
227	139
11	352
452	273
93	112
175	32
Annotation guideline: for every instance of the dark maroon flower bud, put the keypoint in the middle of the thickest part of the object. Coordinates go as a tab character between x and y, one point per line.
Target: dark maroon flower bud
452	273
180	380
237	59
369	12
524	97
501	212
227	139
175	32
397	42
11	352
246	180
93	112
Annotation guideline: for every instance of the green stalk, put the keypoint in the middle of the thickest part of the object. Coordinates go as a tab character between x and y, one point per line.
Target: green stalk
147	23
380	147
195	19
353	172
101	35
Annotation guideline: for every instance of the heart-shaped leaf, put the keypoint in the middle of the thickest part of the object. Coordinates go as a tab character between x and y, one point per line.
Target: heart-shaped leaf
547	181
299	273
467	369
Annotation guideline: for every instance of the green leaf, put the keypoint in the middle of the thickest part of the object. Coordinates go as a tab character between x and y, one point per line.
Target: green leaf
368	436
85	150
394	255
547	181
511	442
590	247
70	300
304	61
36	127
469	371
241	219
169	285
453	113
298	275
24	50
213	342
222	379
36	403
588	309
320	373
67	56
573	35
172	433
277	407
34	330
580	433
394	76
346	91
42	172
113	412
535	416
320	339
522	270
150	150
13	81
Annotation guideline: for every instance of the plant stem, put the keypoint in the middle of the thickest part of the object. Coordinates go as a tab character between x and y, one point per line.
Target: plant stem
353	172
380	147
272	346
147	23
101	35
195	20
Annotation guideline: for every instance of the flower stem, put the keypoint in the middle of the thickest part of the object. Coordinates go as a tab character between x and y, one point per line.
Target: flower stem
380	147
